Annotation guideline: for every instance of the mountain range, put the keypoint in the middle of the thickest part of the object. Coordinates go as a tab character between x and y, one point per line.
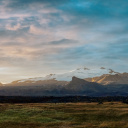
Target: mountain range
82	81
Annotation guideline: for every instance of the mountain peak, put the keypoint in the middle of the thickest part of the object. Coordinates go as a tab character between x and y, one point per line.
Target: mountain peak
78	80
74	78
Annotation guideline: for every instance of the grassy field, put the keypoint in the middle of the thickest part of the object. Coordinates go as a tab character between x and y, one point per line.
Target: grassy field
61	115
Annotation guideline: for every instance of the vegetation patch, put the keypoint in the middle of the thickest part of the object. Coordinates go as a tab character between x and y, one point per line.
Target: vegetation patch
69	115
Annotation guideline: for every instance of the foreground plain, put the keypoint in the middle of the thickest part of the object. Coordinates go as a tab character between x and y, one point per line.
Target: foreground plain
64	115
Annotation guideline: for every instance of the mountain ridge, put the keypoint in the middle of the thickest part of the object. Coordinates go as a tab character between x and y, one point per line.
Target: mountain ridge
107	79
106	82
79	72
75	87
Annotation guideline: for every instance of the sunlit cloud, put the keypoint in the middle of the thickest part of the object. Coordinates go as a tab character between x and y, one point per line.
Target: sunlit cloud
60	35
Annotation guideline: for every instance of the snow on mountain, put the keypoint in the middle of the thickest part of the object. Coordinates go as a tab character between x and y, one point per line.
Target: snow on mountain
79	72
109	79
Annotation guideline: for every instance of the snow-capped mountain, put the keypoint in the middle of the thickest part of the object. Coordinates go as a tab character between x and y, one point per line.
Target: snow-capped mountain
82	81
79	72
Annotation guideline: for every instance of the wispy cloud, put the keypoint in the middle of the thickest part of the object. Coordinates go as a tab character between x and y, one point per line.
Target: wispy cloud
55	36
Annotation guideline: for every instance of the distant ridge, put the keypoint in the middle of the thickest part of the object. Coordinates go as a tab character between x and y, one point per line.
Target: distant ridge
79	72
75	87
120	78
82	81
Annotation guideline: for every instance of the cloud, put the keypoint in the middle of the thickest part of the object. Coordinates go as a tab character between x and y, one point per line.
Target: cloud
59	35
13	28
66	42
38	31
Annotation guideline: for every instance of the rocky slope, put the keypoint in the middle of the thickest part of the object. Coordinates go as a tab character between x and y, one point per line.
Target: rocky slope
120	78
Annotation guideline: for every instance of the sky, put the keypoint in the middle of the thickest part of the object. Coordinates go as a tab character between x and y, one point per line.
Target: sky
39	37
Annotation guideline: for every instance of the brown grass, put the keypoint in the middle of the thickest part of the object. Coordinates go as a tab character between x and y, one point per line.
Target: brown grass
61	115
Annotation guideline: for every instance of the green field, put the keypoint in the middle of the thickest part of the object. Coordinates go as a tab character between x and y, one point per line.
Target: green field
61	115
